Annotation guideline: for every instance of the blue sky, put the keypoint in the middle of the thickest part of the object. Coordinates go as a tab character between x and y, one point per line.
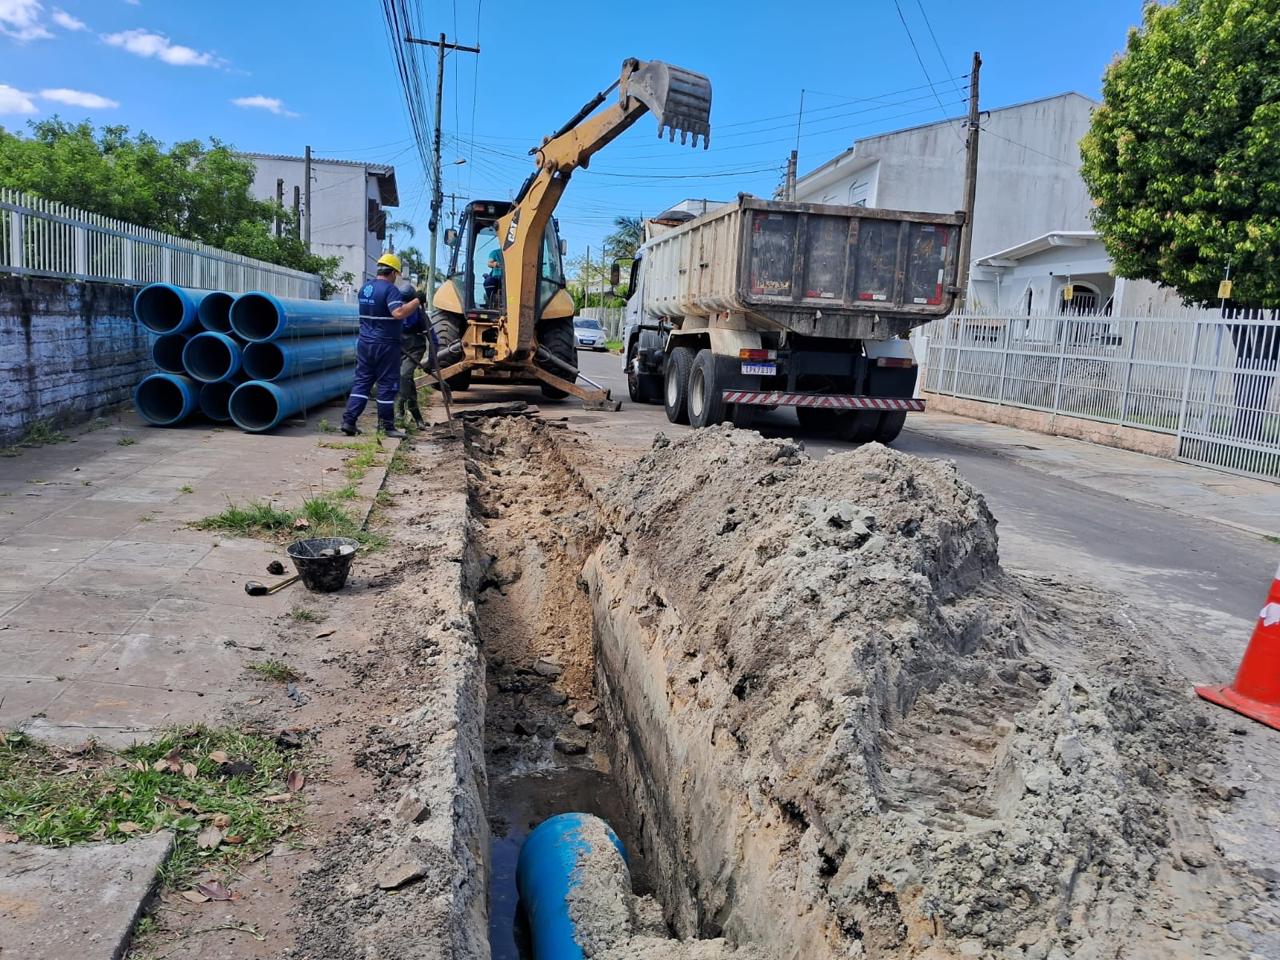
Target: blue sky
272	76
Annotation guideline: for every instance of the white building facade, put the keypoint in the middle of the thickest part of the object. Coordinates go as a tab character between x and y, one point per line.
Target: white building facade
348	205
1028	172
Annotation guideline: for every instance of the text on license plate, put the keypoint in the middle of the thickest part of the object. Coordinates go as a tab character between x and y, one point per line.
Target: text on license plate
760	369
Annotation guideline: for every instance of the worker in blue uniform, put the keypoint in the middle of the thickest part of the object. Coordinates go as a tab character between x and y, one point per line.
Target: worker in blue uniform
382	312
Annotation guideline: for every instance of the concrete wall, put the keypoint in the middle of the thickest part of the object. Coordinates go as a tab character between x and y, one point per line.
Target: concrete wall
1028	172
339	194
68	350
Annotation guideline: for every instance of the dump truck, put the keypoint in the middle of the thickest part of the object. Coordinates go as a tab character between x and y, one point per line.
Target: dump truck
758	304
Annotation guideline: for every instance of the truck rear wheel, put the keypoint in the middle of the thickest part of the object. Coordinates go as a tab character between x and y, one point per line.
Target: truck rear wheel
556	337
890	426
706	403
675	393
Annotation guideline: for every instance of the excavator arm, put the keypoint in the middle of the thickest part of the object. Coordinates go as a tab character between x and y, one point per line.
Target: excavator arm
679	99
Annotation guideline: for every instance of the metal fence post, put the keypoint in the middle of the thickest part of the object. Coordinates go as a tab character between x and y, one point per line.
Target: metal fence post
15	239
82	251
1128	371
1186	385
1004	362
1062	362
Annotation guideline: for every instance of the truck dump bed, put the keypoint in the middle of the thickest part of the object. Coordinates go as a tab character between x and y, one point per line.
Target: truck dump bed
815	269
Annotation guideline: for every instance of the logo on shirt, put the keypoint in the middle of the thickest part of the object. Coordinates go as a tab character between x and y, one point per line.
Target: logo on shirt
367	291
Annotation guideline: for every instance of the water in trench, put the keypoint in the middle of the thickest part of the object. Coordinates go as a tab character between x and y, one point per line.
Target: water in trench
533	528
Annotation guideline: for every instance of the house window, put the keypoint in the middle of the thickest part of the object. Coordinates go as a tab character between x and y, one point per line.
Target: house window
1084	300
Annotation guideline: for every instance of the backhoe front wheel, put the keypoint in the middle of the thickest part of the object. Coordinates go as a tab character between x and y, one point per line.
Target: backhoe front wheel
556	337
448	328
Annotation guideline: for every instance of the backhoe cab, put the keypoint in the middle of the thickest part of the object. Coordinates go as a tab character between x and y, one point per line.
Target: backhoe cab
504	314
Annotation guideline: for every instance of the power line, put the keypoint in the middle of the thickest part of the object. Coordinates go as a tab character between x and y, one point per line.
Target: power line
919	59
937	46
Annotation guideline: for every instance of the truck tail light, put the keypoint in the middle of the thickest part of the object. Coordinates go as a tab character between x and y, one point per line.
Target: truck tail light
895	362
746	354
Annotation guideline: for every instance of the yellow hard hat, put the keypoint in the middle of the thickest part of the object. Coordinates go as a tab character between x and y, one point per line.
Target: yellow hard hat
392	261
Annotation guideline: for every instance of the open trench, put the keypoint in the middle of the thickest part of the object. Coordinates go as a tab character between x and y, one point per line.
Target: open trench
546	750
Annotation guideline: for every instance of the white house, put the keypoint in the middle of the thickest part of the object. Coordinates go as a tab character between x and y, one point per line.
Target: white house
348	199
1028	171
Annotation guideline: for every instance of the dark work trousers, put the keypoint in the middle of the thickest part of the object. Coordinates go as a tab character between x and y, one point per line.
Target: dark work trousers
377	361
414	349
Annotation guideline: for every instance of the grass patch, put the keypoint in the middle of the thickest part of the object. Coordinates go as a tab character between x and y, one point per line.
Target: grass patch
186	781
613	346
1270	539
276	671
321	516
251	520
126	442
365	454
39	434
186	488
307	615
324	426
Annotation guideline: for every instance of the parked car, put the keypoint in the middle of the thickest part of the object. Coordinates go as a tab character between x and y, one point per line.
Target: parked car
588	334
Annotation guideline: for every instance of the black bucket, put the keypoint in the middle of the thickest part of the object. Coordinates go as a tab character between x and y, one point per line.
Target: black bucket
323	563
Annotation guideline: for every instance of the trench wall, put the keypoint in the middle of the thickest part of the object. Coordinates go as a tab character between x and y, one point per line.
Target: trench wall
68	350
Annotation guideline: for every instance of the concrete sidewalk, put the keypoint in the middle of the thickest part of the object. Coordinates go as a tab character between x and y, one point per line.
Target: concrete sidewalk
1242	503
118	618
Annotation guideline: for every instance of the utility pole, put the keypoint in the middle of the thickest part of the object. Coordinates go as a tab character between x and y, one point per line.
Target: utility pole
970	180
790	190
306	180
279	205
586	281
437	192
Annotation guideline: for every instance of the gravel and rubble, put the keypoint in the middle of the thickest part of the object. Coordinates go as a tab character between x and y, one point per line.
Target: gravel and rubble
853	733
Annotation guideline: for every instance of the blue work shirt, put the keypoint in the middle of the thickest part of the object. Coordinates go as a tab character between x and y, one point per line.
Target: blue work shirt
378	297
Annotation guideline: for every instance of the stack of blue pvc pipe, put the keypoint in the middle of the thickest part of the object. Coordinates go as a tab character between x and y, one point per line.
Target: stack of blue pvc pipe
253	359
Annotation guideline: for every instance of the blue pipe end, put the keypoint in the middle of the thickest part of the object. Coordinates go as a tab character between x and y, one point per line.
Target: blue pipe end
211	357
166	308
214	311
257	406
550	869
257	317
166	399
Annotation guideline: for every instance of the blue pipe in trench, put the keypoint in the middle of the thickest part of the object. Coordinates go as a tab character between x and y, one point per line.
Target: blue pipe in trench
166	308
260	317
166	399
258	405
548	869
280	359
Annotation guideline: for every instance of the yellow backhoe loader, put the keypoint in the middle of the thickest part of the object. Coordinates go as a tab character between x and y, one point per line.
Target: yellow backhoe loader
503	314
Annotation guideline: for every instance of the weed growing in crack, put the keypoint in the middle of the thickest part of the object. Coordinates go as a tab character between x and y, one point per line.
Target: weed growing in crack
277	671
186	488
126	442
39	434
307	615
228	796
320	516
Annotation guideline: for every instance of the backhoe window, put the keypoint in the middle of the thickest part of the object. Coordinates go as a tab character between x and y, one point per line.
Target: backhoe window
552	268
488	288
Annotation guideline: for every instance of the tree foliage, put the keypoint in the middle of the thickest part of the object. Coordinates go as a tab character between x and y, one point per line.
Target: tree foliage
192	190
626	238
1183	156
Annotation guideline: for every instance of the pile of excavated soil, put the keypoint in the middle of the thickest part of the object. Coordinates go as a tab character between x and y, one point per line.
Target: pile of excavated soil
849	732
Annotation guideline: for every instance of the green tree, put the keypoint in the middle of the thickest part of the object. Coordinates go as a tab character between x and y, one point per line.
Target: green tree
1183	156
192	190
626	238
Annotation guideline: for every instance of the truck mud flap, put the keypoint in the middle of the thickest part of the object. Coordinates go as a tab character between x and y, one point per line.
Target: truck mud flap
821	401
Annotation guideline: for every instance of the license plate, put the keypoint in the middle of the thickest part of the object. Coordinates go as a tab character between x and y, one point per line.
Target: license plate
760	369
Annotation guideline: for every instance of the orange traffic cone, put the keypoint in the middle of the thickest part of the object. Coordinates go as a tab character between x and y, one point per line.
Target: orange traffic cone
1256	691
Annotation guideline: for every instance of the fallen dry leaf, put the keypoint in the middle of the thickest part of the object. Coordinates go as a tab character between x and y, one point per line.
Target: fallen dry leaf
173	759
324	633
209	838
221	821
214	890
6	837
218	756
161	764
296	781
278	798
302	523
195	896
189	771
233	839
127	826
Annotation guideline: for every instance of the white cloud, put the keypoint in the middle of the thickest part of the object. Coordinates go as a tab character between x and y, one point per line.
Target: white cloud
20	19
143	43
78	98
270	104
66	21
15	101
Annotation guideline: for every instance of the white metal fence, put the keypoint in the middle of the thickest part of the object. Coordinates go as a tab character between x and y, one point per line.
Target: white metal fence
1208	380
46	239
611	318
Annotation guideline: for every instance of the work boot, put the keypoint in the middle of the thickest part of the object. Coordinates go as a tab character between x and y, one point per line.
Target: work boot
419	422
350	429
391	433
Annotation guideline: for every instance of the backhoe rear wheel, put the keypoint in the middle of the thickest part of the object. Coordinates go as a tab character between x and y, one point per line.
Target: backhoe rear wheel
675	392
556	337
448	328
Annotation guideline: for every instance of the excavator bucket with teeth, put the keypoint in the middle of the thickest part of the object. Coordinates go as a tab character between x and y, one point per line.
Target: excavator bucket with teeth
680	99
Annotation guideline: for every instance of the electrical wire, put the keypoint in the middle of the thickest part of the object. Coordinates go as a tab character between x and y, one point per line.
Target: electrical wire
937	46
919	59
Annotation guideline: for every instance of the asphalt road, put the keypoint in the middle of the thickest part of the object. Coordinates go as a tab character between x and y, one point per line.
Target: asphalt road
1047	523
